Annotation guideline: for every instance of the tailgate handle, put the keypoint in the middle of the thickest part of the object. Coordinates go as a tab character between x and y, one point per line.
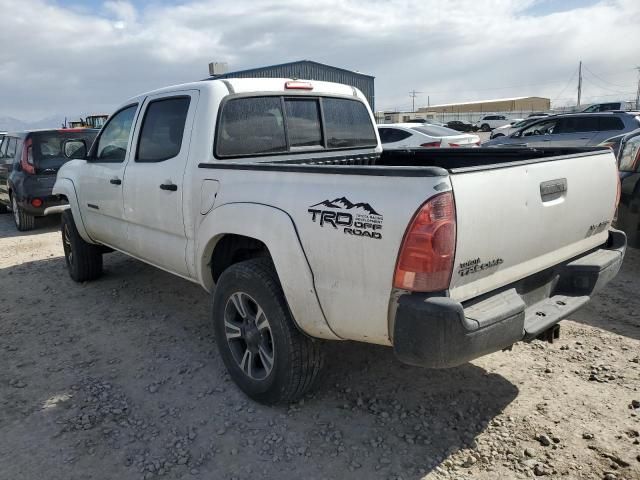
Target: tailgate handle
553	189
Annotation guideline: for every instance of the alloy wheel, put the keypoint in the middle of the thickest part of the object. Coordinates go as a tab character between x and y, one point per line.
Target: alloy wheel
248	334
66	243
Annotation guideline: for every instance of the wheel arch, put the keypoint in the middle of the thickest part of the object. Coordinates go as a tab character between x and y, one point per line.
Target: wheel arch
238	231
66	188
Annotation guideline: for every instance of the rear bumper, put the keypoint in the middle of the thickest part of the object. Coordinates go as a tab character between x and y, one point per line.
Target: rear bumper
438	332
47	201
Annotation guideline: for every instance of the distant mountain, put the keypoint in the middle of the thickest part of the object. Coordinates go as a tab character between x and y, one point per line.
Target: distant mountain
11	124
345	204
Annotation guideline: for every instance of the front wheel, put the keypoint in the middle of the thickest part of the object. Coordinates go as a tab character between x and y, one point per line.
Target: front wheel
485	127
22	219
84	260
264	352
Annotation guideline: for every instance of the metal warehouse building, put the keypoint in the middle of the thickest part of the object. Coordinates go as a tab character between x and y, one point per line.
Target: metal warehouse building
517	104
309	70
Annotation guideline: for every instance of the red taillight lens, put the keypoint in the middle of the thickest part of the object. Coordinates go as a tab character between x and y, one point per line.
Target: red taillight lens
430	144
454	145
26	160
425	261
36	202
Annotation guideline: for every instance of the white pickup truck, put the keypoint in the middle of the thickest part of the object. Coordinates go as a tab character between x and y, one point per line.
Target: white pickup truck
275	196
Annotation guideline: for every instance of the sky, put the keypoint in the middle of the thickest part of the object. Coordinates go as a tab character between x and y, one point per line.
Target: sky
71	56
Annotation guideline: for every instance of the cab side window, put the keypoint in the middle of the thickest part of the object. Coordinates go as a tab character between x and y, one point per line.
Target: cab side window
114	139
162	129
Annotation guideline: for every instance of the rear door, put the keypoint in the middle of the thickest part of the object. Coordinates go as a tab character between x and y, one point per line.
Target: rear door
514	221
153	181
99	185
608	126
576	131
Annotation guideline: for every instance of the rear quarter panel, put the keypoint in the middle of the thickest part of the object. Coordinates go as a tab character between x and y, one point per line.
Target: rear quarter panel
352	273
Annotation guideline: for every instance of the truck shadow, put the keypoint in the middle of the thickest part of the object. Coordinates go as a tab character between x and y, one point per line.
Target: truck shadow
616	307
148	334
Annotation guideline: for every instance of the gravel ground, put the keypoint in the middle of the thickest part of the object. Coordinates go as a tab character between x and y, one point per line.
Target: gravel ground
120	378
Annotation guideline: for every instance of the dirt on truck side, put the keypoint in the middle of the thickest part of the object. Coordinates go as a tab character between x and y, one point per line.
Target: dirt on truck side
120	378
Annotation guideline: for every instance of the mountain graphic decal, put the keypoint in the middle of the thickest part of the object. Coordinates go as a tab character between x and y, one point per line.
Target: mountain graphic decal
345	204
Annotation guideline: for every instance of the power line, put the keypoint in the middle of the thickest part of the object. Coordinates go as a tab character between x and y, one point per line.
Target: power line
602	79
565	87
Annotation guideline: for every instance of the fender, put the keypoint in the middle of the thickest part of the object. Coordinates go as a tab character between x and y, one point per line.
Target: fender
276	230
65	186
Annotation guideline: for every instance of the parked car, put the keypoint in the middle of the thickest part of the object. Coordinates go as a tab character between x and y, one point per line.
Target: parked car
461	126
276	197
512	127
570	130
609	106
409	135
489	122
425	121
29	162
627	150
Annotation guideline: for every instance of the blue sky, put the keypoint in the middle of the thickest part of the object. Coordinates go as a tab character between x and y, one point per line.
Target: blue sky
86	56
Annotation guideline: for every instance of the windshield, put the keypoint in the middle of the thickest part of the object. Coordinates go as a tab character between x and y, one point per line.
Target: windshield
436	131
47	147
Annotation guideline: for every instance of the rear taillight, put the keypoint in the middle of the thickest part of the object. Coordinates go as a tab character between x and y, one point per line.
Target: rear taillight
430	144
26	160
425	260
454	145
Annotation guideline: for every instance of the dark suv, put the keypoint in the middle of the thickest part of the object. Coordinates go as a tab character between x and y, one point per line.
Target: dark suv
29	162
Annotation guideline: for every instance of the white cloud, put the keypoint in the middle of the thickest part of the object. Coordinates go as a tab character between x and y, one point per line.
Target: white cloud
66	60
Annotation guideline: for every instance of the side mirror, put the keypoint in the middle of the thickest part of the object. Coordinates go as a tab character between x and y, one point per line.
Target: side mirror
75	149
516	134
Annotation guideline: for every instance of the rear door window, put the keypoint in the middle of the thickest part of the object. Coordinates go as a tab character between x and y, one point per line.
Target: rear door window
280	124
391	135
162	129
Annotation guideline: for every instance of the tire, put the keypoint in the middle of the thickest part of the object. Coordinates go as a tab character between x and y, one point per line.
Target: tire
485	127
264	352
24	222
84	260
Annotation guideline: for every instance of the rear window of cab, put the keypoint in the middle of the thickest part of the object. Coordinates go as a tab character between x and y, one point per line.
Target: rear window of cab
278	124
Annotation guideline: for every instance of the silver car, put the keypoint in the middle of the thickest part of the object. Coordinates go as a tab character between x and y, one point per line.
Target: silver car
570	130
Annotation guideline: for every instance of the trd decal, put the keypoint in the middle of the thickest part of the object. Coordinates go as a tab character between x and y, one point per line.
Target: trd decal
359	219
477	265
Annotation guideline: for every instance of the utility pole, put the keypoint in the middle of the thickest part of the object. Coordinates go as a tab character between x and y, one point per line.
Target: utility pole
638	92
413	94
428	101
579	82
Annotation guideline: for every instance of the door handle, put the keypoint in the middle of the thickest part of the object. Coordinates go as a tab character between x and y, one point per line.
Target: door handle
115	181
169	186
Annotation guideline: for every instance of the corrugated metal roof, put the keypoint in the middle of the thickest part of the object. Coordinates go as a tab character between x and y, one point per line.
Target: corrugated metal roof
290	64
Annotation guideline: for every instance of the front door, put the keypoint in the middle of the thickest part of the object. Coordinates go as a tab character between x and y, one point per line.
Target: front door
153	194
100	182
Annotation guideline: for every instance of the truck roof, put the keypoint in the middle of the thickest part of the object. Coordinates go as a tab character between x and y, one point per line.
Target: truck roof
250	85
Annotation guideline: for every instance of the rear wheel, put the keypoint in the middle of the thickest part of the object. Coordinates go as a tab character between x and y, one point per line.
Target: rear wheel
84	260
23	220
264	352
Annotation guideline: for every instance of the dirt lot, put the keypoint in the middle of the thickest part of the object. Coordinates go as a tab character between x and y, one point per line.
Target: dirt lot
120	378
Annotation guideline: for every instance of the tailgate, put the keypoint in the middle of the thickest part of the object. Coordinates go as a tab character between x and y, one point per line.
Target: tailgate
518	219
